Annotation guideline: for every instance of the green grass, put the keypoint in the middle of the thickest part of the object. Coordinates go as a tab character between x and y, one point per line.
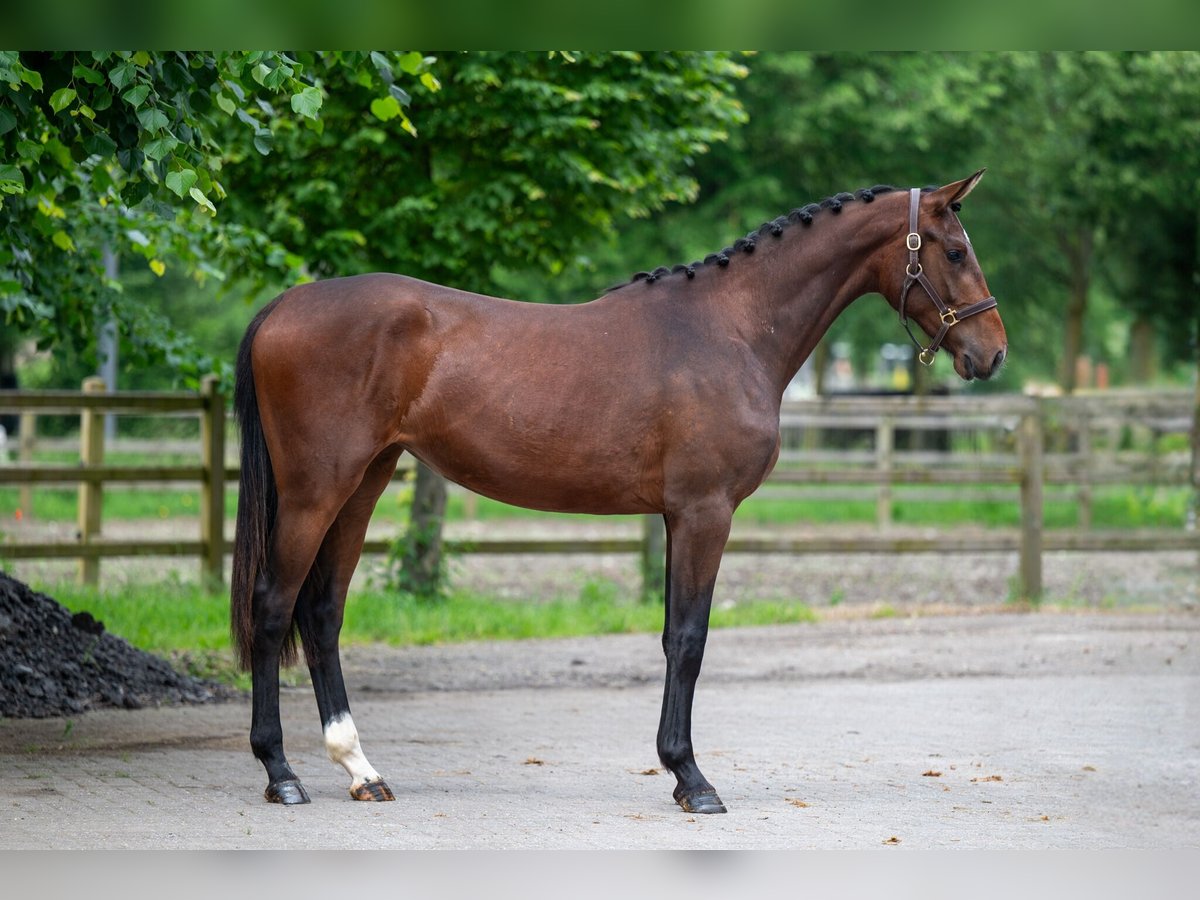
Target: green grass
192	625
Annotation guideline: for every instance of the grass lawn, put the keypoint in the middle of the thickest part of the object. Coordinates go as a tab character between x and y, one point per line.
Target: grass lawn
192	625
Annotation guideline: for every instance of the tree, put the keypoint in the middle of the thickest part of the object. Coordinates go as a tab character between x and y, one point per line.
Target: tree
123	151
517	161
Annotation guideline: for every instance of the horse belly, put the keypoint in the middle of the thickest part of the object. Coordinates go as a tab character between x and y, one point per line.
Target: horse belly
567	468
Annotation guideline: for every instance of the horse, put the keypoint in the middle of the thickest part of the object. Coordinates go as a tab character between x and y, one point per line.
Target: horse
661	396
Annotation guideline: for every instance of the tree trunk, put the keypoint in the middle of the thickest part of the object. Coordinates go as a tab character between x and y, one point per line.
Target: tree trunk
1143	355
820	362
1080	253
422	567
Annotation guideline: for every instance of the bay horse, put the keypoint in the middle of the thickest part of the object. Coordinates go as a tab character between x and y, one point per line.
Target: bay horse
661	396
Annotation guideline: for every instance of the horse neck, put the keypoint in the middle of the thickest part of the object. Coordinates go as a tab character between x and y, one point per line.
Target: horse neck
788	296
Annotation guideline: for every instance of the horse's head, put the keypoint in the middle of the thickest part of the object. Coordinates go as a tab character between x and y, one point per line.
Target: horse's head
934	279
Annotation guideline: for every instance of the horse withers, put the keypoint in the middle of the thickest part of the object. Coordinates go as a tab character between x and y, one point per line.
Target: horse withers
660	396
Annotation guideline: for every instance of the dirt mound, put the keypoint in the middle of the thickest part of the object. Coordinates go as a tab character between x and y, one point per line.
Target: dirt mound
53	663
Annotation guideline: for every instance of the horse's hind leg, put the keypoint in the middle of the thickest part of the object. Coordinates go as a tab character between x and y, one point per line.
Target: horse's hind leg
319	615
695	541
298	532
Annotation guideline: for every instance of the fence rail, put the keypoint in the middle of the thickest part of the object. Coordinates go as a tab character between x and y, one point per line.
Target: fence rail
985	447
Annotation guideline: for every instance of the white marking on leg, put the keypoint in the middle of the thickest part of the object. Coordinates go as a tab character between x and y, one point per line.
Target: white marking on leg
341	743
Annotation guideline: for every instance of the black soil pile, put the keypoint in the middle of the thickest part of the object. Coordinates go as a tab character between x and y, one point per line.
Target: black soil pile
53	663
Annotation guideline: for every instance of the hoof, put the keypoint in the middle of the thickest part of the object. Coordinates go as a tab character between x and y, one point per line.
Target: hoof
372	790
704	802
289	793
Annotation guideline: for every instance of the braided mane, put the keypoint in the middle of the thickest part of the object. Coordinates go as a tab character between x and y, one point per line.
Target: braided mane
802	215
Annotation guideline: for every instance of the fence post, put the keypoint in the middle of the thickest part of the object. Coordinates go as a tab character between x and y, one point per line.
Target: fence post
91	492
212	489
654	554
27	437
1084	425
885	440
1032	447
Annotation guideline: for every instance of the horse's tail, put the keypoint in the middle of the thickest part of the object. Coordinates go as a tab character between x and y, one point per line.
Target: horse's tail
257	501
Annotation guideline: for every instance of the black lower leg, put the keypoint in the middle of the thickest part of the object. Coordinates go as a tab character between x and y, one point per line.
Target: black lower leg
693	791
266	730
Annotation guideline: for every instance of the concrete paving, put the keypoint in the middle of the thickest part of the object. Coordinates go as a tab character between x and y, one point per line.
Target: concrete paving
984	731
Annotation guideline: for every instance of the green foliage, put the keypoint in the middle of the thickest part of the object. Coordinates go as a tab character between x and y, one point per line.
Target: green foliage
520	158
124	151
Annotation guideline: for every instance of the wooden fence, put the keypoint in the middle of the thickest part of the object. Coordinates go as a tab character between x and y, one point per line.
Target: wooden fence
1009	449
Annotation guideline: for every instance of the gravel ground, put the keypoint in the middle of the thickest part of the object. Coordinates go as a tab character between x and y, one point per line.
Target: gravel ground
984	731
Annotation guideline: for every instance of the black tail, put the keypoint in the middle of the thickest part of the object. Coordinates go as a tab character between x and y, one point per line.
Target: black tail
257	502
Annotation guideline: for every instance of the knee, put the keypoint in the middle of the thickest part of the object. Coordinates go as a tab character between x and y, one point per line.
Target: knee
686	646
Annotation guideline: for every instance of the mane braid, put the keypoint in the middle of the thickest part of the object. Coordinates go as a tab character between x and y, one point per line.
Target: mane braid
802	215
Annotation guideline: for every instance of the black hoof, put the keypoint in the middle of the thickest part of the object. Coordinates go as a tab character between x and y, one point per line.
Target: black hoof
703	802
372	790
289	793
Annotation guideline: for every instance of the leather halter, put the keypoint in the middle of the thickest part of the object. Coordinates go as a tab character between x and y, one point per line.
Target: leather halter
913	274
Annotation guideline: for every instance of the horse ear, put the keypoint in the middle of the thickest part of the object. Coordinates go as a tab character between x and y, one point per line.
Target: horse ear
955	192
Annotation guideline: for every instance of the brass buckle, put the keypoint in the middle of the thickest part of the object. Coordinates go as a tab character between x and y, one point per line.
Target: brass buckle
926	357
949	317
913	240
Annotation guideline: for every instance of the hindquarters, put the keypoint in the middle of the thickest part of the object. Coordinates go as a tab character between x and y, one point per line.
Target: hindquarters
322	376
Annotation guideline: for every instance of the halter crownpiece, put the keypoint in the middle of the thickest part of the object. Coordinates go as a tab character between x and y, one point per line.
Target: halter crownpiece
913	274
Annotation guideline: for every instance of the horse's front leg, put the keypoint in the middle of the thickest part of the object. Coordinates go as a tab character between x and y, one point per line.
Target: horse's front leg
695	541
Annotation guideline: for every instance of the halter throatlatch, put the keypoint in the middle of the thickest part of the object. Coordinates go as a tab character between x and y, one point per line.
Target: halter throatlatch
914	274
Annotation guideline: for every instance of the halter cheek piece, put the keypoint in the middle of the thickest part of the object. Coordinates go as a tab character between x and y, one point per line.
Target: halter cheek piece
914	274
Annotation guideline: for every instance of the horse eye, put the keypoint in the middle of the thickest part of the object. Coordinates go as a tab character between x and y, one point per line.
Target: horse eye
955	255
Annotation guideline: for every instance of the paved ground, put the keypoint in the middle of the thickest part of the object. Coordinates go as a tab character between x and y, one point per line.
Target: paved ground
1048	730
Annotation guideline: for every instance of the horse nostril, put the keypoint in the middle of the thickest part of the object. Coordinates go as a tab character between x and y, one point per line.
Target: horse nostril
969	366
998	362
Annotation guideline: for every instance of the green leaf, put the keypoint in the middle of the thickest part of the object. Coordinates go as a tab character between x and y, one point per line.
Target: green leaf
153	119
181	182
27	149
7	121
381	63
160	147
308	102
31	78
411	62
99	144
62	98
198	195
400	94
263	139
12	180
91	76
226	103
430	81
385	108
135	96
63	241
122	76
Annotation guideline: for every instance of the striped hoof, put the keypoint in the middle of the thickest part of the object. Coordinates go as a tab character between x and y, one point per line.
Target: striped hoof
289	793
372	790
703	802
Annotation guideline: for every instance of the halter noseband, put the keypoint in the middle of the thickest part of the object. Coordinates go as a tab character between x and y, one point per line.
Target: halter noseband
914	273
